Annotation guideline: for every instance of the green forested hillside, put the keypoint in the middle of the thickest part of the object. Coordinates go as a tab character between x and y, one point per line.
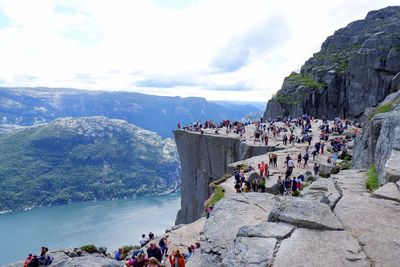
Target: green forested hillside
77	159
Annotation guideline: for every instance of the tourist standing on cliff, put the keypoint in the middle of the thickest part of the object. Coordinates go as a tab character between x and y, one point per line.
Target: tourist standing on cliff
305	157
284	139
261	167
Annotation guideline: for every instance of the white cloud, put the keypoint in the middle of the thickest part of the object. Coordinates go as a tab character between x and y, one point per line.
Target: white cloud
210	48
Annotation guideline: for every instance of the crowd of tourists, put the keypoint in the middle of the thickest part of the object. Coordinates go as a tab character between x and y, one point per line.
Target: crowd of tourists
43	259
331	138
155	254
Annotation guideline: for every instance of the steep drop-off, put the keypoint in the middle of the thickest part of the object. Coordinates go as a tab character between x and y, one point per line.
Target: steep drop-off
356	68
205	158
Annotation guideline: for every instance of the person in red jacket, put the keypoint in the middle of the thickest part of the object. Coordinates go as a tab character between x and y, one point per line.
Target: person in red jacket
176	259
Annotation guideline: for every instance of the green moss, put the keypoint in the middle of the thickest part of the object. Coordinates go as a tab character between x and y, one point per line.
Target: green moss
345	165
242	166
325	175
372	182
296	193
217	195
382	109
397	47
306	81
89	248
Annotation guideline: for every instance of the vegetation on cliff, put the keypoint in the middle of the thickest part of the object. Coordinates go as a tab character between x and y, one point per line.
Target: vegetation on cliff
372	182
79	159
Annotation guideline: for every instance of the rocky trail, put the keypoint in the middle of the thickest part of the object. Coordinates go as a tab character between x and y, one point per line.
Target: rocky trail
334	222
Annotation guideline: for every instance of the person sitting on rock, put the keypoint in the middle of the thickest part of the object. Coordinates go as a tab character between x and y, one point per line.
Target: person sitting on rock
34	262
138	261
188	254
176	259
154	251
28	260
153	262
118	254
151	235
143	241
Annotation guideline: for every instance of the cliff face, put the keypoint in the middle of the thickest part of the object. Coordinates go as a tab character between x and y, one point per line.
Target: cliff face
205	158
380	143
356	68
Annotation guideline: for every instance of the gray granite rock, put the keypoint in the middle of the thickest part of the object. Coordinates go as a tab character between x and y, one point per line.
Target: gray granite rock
266	230
380	145
320	248
228	216
375	222
304	213
389	191
322	190
250	251
356	68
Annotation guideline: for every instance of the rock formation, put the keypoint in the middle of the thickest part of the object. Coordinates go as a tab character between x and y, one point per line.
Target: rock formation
356	68
380	145
205	158
360	230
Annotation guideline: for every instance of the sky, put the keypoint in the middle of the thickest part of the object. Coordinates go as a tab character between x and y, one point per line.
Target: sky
216	49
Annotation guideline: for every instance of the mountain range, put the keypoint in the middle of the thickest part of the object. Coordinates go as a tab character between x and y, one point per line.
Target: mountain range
79	159
160	114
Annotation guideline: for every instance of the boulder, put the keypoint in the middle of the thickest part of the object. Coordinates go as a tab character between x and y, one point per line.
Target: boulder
326	169
375	222
225	220
254	176
322	190
304	213
307	247
391	170
389	191
266	230
250	251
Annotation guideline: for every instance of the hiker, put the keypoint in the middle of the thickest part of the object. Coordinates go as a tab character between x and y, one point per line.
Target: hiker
189	254
285	138
294	185
299	160
153	262
254	185
314	153
28	260
262	184
118	254
290	165
322	147
176	259
143	241
138	261
275	159
305	157
34	262
154	251
261	167
316	168
151	235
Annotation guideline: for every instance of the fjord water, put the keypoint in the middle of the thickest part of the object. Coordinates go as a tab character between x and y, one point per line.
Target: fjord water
111	224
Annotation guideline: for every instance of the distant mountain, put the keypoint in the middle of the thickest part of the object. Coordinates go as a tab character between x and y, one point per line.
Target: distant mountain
29	106
77	159
244	104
